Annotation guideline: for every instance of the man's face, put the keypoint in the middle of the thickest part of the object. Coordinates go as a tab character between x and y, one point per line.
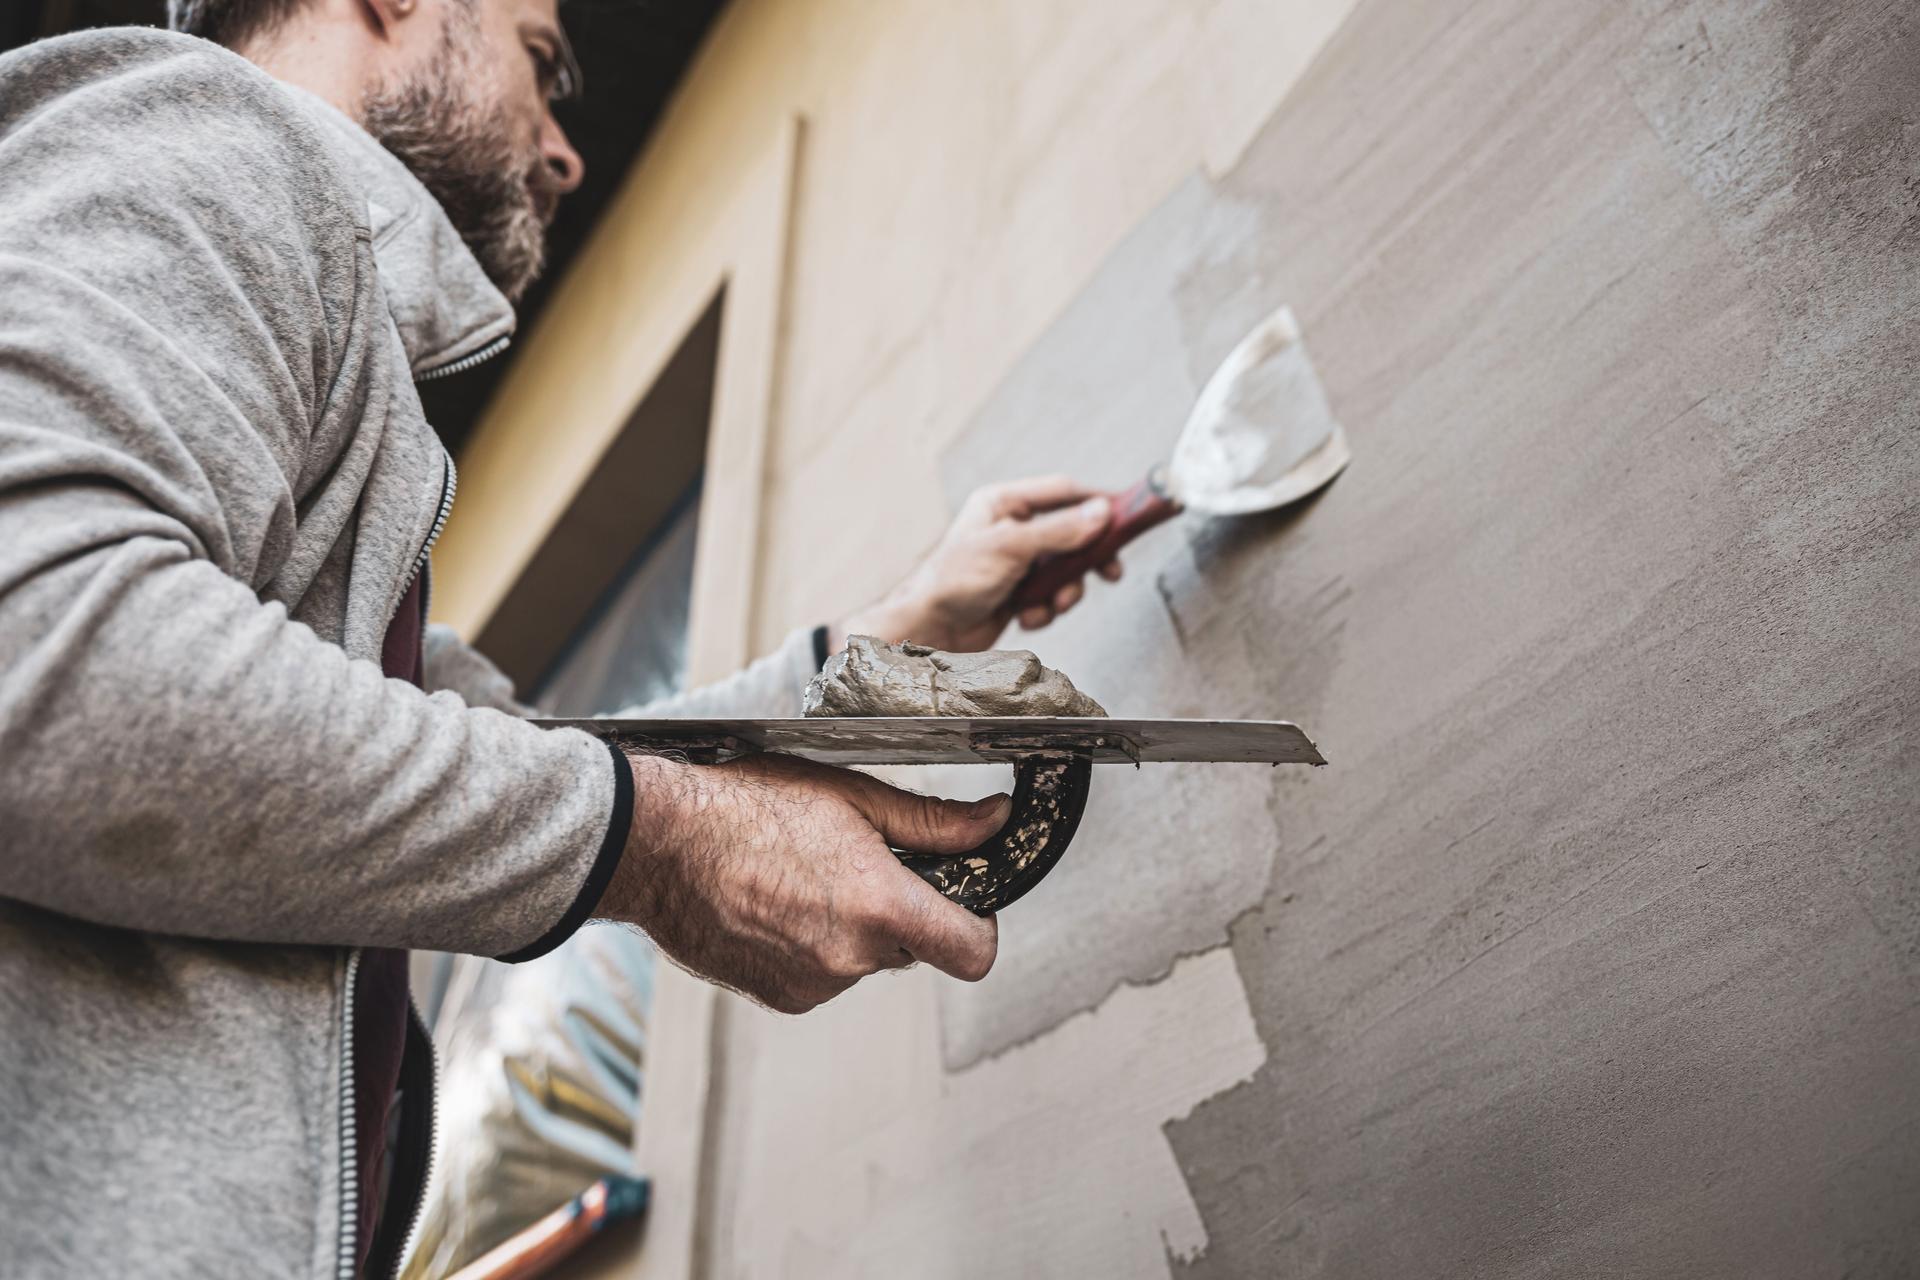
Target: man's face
471	115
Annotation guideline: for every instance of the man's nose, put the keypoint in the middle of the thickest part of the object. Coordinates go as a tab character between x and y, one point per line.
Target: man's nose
562	160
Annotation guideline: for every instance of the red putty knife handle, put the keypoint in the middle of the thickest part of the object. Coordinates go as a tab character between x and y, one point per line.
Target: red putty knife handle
1134	512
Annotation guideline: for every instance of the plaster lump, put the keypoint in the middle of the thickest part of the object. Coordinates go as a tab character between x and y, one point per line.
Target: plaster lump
869	678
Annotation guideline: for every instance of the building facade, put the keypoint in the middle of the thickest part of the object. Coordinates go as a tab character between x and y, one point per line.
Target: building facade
1594	948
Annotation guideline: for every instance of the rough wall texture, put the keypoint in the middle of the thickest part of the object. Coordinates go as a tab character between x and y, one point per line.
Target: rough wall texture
1597	949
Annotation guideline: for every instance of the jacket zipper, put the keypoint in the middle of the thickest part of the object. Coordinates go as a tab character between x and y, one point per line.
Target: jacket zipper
449	484
349	1134
465	363
349	1242
412	1239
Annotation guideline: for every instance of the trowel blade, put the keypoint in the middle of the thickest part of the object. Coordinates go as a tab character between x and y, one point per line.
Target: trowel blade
1261	434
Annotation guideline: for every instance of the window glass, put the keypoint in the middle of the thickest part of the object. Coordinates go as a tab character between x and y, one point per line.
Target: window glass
632	648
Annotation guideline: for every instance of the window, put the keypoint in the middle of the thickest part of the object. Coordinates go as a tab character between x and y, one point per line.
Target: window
634	648
597	620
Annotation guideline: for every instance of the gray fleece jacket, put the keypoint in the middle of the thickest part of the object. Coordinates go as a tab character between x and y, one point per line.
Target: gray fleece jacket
216	485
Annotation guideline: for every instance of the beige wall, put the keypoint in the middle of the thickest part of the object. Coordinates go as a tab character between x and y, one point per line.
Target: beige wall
898	196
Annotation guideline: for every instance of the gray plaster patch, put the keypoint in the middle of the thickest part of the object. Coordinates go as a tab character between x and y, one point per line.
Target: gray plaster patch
1610	962
1168	855
1597	947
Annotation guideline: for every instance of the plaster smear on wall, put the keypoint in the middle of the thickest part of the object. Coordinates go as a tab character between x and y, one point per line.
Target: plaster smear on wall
1049	1160
1610	965
1168	855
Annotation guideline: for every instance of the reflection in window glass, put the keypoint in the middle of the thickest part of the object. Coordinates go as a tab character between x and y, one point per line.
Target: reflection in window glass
633	648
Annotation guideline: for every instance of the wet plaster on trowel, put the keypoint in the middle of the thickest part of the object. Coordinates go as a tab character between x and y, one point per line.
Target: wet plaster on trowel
869	678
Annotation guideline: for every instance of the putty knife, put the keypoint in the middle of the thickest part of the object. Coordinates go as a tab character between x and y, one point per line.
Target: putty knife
1261	435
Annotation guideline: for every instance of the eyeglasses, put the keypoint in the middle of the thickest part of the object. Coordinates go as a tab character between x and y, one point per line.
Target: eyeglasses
568	82
558	70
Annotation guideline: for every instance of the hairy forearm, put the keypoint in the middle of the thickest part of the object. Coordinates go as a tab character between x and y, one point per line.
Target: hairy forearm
774	876
670	808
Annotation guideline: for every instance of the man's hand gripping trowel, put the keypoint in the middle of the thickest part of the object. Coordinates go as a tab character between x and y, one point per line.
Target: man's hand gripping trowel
1261	435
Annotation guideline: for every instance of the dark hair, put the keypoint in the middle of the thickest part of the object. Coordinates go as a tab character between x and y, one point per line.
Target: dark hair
230	22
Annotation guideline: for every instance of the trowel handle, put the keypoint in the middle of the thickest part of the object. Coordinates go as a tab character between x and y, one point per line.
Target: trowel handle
1134	512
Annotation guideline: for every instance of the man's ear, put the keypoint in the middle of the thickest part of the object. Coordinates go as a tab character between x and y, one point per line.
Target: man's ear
385	15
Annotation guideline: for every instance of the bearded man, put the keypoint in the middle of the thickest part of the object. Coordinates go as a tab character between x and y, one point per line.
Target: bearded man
239	775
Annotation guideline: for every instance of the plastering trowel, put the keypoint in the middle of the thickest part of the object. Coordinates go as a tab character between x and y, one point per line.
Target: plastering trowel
1260	435
1052	759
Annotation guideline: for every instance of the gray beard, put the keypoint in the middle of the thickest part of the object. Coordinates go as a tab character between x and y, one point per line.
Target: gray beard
464	157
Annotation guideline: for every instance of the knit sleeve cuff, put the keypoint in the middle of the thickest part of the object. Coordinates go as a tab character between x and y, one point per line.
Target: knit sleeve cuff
599	875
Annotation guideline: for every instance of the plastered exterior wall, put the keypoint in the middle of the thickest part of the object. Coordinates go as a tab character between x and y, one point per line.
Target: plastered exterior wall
1594	951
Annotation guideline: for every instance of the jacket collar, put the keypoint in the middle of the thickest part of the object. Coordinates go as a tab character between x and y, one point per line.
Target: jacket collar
445	307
